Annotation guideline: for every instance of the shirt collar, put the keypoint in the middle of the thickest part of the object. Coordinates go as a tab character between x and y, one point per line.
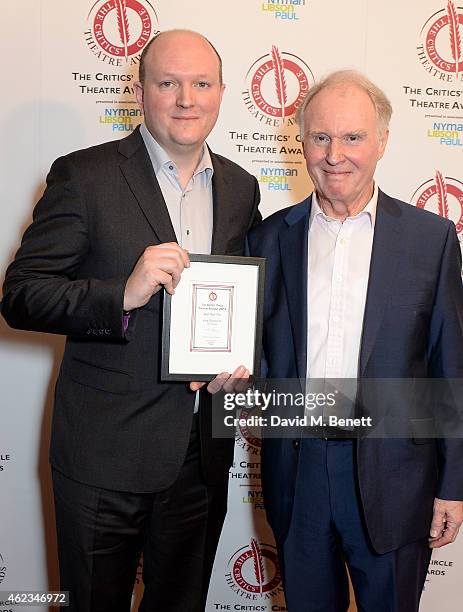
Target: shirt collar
161	160
370	209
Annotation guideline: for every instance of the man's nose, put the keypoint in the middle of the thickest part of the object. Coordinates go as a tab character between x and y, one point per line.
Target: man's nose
185	97
334	152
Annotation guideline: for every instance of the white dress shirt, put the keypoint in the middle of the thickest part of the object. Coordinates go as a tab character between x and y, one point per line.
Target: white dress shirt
339	254
190	209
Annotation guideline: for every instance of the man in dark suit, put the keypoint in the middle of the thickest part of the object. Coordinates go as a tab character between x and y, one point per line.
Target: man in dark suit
135	468
359	285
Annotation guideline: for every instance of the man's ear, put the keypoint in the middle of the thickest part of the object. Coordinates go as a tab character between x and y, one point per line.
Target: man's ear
382	143
138	89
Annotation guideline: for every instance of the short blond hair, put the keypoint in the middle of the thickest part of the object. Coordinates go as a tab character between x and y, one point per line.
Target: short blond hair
349	77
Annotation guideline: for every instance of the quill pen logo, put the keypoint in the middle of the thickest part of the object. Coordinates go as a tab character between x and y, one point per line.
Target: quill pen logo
254	571
441	49
275	86
443	196
118	30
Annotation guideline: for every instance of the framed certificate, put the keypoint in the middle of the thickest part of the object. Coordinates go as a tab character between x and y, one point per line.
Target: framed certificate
213	322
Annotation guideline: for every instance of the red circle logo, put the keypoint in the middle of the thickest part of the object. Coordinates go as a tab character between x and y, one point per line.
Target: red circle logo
441	41
255	569
276	85
250	434
121	28
442	195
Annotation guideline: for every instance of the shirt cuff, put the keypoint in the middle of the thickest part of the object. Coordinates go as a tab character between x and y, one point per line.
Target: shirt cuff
125	321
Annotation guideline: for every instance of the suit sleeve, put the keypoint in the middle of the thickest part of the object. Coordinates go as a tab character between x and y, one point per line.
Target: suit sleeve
42	289
256	217
446	362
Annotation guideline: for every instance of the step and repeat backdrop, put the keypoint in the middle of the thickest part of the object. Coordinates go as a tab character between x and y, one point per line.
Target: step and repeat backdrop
67	82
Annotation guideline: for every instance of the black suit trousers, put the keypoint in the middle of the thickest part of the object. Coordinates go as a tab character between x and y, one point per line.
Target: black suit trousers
102	533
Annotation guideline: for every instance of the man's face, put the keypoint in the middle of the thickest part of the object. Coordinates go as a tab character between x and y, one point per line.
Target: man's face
182	91
342	145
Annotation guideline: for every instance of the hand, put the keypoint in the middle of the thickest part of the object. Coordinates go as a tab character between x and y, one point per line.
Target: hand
159	266
233	383
446	521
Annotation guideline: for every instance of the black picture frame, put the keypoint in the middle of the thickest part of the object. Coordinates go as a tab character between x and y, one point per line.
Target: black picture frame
259	263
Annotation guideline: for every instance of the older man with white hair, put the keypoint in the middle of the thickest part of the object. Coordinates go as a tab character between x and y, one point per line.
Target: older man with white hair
359	286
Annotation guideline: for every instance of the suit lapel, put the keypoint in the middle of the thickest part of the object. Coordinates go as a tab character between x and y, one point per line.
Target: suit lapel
293	255
138	171
222	200
385	257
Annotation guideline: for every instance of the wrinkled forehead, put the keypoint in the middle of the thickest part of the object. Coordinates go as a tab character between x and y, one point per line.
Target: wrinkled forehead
342	106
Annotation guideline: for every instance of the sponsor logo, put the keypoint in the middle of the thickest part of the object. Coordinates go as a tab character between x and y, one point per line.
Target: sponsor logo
118	30
276	179
285	10
440	48
446	133
275	86
121	119
254	572
442	195
254	497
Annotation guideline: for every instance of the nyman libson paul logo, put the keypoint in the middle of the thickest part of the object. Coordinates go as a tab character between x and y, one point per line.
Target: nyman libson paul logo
118	30
253	571
442	195
275	86
440	49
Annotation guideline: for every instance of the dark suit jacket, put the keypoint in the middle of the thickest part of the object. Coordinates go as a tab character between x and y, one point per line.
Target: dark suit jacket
115	424
413	328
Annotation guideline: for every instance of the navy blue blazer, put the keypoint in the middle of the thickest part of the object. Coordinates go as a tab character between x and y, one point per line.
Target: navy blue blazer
412	328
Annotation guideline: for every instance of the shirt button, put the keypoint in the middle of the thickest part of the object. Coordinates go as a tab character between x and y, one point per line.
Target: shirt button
343	241
339	278
171	167
336	318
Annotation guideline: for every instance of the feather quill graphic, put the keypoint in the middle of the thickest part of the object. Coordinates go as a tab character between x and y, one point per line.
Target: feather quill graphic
123	25
258	564
442	195
455	39
280	81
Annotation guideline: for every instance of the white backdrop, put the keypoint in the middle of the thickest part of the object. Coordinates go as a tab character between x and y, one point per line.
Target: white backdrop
67	84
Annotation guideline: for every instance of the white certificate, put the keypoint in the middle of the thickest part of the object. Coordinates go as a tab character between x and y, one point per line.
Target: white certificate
211	317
